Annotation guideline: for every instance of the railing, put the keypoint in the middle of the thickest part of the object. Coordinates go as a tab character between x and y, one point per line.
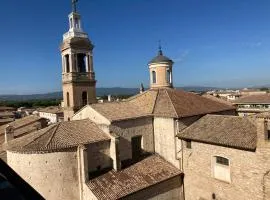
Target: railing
66	77
254	109
74	34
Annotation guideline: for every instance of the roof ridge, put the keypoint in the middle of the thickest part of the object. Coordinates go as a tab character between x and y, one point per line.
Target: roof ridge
155	102
136	96
171	103
56	127
38	136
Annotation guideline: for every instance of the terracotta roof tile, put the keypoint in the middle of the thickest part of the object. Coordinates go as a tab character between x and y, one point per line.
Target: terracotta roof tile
161	102
52	109
148	172
229	131
59	136
263	98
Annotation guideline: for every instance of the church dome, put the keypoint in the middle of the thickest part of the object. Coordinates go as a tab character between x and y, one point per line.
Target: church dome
160	58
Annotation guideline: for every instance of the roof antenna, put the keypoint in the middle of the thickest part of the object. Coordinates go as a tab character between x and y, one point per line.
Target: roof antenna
159	48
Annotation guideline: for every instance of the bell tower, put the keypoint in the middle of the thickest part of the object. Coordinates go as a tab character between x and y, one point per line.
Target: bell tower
160	68
78	76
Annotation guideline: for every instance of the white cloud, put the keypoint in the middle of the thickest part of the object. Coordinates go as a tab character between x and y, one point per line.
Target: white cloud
182	56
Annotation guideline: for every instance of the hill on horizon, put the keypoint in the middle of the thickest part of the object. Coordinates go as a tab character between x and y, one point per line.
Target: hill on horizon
100	92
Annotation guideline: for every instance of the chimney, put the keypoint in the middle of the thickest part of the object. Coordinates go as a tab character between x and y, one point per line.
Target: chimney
141	88
109	98
262	132
9	133
114	151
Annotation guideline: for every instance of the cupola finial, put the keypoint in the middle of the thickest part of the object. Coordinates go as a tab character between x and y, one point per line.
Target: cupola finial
74	5
159	48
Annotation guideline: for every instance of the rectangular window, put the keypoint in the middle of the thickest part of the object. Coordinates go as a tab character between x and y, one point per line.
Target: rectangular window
188	144
222	161
221	169
268	134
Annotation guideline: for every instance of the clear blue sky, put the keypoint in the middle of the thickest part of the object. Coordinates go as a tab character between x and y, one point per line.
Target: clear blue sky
224	43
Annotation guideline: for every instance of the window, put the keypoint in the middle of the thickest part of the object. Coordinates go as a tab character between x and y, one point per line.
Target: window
154	78
222	161
68	103
188	144
221	168
67	63
84	98
77	23
136	143
168	76
81	59
268	134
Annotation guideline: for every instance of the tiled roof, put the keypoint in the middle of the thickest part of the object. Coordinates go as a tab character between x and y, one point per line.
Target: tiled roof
115	185
18	123
52	109
265	115
5	108
217	99
262	98
229	131
164	102
6	114
59	136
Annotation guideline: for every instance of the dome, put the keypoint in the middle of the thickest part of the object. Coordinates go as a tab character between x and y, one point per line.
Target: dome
160	58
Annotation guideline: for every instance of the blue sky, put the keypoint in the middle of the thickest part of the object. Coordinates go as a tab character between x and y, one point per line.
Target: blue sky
223	43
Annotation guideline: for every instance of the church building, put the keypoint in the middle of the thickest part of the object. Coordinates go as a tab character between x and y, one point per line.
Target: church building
163	143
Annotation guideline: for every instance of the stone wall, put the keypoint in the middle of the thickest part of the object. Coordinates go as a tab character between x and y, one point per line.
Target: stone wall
98	156
53	175
166	143
130	128
248	171
167	190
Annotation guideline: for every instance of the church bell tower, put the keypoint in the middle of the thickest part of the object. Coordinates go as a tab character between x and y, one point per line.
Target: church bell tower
78	76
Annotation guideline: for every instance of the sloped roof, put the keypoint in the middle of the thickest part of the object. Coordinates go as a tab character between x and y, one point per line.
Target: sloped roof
262	98
59	136
118	184
20	123
230	131
166	102
52	109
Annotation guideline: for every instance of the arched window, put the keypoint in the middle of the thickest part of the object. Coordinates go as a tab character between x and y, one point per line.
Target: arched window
77	23
84	98
168	76
81	60
68	103
67	63
154	77
221	168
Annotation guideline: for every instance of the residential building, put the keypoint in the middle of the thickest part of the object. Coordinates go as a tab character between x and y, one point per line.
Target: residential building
54	114
252	104
228	156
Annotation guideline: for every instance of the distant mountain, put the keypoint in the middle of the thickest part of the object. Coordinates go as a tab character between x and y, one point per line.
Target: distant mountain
100	92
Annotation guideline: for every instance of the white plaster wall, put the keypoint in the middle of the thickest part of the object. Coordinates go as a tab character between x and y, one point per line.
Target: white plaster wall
165	141
89	113
52	117
53	175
